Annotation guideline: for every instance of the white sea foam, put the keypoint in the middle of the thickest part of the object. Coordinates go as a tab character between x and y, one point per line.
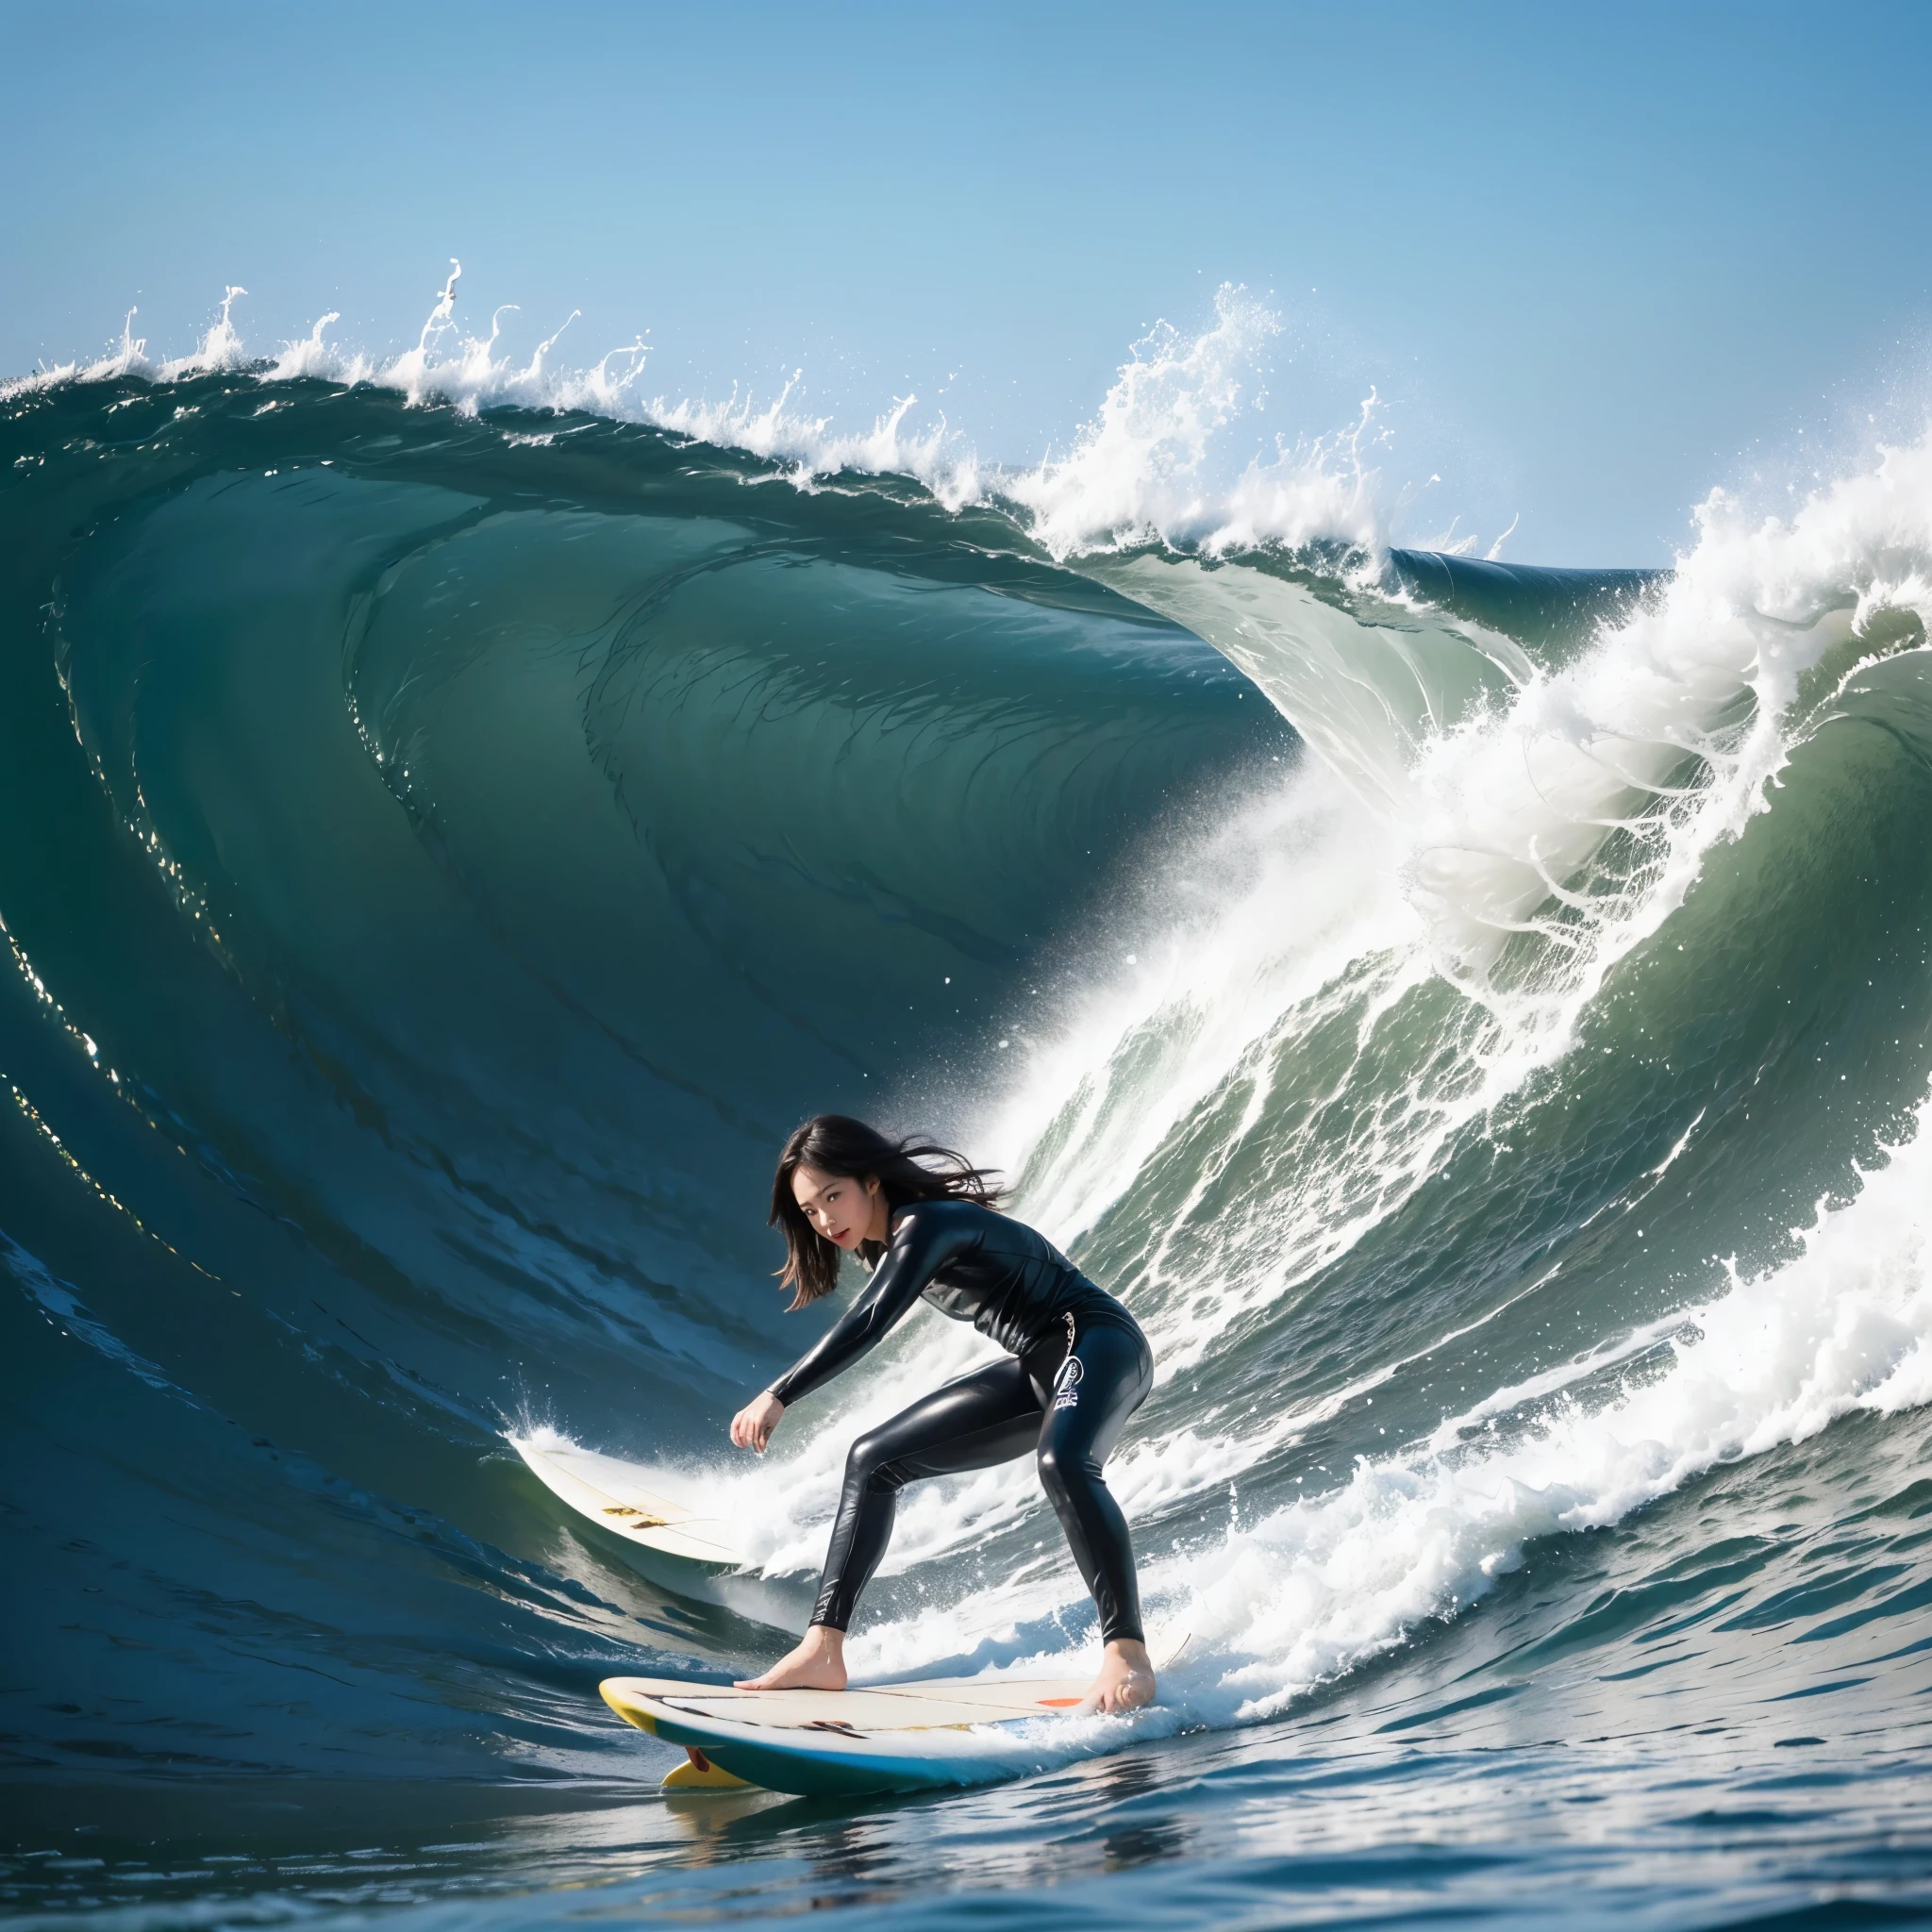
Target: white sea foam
1144	469
221	348
1845	1325
1692	691
1152	466
472	373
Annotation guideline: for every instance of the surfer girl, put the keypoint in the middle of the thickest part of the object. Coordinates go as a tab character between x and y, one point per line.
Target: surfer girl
922	1216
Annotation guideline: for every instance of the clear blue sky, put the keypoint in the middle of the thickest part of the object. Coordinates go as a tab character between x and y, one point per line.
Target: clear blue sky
1597	258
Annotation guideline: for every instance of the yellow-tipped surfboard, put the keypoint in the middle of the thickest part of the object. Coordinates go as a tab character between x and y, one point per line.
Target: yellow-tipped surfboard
920	1736
823	1743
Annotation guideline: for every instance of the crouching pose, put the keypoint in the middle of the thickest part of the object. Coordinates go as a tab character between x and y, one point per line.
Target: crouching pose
1077	1368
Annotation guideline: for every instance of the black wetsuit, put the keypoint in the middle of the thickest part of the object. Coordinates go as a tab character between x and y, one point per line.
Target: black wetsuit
1078	1368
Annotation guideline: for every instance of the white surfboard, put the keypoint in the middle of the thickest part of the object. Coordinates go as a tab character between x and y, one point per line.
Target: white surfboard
823	1743
673	1543
920	1736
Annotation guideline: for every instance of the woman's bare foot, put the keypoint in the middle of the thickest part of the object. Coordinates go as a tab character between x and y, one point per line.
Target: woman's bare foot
1126	1681
819	1664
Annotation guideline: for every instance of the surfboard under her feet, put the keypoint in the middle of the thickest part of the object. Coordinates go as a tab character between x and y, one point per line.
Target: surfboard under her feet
820	1743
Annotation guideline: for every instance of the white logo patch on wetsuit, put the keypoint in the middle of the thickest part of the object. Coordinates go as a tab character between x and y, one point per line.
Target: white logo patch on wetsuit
1066	1385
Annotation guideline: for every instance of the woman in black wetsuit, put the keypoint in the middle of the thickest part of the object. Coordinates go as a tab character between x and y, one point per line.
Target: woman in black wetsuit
1077	1368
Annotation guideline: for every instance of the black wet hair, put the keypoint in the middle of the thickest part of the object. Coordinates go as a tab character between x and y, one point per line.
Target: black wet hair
909	1170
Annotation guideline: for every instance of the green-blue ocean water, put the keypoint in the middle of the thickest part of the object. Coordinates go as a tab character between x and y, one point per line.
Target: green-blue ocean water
1477	1018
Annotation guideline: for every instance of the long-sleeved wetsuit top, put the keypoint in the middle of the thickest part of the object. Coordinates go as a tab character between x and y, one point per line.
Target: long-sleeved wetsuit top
974	1265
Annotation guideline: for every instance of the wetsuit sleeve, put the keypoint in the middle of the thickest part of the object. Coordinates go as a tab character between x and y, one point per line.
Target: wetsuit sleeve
921	1245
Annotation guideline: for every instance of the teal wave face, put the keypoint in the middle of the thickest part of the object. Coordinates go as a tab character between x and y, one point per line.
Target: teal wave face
508	813
464	861
442	855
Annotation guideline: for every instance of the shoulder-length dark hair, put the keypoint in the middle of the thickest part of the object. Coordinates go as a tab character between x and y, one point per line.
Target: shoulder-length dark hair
908	1170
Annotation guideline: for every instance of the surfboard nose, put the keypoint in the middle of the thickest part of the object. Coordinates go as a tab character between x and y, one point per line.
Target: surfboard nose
619	1694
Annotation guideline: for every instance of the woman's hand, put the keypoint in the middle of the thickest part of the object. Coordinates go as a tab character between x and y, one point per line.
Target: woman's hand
752	1426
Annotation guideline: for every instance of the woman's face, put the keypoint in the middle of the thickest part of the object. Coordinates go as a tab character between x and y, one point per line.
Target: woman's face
841	1208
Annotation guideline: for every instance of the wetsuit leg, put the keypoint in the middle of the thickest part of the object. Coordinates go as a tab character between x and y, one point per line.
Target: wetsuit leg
1101	1383
991	1416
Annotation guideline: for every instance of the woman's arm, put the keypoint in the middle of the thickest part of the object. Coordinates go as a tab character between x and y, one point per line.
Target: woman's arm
922	1243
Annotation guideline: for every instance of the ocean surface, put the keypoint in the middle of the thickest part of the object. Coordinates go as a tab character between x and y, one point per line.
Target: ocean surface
456	819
